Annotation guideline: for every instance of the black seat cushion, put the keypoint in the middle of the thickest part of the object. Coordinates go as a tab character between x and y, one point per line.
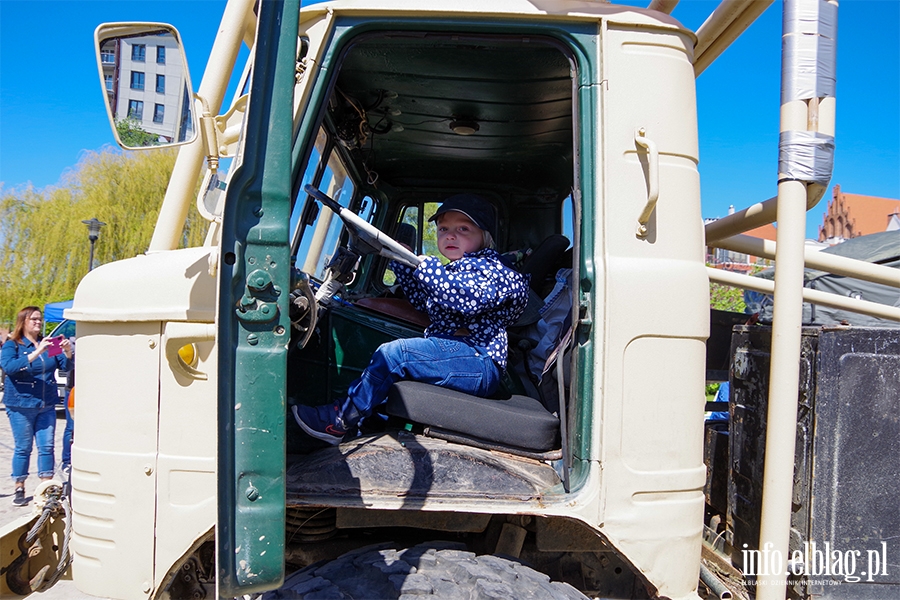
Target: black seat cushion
518	421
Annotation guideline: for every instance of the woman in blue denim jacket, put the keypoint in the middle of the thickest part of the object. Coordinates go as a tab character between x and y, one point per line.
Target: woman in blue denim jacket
30	394
470	301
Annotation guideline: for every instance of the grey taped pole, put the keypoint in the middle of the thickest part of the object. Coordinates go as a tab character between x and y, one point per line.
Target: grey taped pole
809	49
806	156
807	130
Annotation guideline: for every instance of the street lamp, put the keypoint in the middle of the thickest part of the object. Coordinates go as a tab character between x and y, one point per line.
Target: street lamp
93	233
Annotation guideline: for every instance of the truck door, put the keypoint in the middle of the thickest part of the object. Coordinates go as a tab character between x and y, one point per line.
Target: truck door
254	326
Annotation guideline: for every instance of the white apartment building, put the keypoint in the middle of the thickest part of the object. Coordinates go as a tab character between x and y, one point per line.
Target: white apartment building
145	81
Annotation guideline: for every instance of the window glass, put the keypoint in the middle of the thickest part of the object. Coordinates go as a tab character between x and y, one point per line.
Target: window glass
187	125
568	218
414	219
136	109
108	80
409	220
138	52
160	55
66	328
367	208
429	239
137	80
158	113
160	84
303	202
317	232
323	238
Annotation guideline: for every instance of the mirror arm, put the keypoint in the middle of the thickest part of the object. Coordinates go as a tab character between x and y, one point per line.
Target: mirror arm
230	124
208	131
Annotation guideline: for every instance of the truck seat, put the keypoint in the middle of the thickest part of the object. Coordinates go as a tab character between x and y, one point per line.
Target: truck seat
518	422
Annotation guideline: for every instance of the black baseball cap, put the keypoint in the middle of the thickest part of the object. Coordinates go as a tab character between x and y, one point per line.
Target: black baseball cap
475	207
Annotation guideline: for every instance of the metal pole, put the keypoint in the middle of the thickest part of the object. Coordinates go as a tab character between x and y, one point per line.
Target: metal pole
805	160
180	191
784	379
93	226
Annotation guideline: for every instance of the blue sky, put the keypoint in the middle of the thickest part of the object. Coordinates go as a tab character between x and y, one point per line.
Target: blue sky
51	106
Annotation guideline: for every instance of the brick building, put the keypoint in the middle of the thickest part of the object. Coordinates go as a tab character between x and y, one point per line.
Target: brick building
853	215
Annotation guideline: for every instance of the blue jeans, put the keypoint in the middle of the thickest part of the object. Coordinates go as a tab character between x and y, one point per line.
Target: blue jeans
38	424
448	363
68	434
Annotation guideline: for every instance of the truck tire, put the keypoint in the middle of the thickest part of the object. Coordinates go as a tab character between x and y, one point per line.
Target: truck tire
433	569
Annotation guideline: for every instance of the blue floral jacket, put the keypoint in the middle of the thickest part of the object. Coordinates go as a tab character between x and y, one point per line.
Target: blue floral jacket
477	294
30	385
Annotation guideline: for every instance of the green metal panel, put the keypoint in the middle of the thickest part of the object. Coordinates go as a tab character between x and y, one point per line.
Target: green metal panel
321	372
588	136
254	327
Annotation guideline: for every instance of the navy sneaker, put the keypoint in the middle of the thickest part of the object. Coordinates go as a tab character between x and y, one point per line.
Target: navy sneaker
19	498
321	422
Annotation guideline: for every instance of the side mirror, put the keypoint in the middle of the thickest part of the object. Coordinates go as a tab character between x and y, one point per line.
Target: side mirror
146	84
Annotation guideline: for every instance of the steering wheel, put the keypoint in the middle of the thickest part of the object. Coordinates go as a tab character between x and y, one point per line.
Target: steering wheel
365	237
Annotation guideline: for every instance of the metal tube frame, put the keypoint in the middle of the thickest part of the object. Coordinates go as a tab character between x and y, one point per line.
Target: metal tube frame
726	23
873	309
183	182
838	265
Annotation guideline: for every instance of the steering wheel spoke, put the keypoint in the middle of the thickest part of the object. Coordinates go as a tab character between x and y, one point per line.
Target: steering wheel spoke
364	233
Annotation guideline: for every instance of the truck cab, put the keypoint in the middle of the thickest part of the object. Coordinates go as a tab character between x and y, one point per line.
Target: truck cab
353	122
576	121
584	474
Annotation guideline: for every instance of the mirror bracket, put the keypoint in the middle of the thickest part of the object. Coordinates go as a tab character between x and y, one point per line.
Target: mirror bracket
228	127
208	131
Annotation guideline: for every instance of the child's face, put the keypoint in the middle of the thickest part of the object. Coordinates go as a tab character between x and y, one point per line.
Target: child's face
458	235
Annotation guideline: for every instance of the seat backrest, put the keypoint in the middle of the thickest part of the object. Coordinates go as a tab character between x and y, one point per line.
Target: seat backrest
545	260
539	344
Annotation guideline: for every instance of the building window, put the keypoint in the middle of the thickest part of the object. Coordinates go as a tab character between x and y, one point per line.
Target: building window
139	52
135	109
137	80
160	55
187	123
159	112
107	57
108	80
160	84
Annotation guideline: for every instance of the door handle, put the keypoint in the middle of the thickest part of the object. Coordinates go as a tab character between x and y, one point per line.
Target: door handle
641	139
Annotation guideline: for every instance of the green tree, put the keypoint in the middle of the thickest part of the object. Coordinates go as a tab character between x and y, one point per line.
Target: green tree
725	297
131	134
44	247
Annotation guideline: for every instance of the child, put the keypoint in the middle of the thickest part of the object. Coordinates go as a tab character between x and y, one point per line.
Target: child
471	301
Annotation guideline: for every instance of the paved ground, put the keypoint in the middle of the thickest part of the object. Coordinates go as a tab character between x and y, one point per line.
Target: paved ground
9	512
63	590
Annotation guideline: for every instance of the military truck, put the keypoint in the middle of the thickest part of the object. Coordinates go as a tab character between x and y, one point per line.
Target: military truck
352	122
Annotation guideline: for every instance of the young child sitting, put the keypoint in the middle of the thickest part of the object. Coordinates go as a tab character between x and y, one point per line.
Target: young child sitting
471	301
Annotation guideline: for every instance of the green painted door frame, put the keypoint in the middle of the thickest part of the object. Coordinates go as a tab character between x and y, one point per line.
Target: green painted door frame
254	327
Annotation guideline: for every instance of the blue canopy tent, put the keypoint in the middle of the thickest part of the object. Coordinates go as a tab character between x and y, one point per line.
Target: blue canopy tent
53	312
